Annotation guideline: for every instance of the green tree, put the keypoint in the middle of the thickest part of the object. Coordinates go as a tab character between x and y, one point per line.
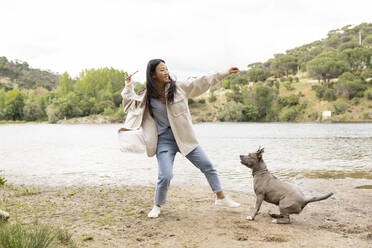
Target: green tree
14	105
348	45
32	111
340	106
368	41
350	85
231	111
65	84
53	112
2	103
257	74
358	58
283	64
325	66
263	97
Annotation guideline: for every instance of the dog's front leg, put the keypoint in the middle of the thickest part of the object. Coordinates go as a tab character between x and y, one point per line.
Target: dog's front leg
259	200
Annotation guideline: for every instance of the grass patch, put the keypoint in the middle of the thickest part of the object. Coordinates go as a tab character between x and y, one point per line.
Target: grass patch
364	187
20	235
27	191
2	180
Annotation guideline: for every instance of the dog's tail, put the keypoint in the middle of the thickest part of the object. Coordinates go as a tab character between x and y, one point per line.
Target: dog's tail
318	198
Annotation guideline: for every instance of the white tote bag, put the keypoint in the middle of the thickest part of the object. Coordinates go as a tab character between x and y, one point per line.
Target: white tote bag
132	141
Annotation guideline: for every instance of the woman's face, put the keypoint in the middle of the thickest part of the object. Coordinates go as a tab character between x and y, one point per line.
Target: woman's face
161	73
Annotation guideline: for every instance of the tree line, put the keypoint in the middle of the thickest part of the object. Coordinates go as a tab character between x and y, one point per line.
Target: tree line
345	55
94	91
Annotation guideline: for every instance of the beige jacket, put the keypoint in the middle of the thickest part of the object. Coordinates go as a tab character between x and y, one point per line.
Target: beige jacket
178	112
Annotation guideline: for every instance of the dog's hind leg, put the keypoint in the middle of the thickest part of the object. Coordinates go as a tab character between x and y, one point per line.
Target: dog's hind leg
276	216
283	220
285	207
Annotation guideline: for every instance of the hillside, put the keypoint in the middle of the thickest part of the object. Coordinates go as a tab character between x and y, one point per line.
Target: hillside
18	74
358	110
333	74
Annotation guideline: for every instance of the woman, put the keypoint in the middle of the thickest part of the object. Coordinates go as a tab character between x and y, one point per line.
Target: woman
162	112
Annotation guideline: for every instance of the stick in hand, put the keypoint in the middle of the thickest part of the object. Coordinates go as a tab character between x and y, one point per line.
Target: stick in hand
129	78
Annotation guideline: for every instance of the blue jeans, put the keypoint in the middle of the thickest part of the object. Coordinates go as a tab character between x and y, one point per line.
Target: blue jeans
166	151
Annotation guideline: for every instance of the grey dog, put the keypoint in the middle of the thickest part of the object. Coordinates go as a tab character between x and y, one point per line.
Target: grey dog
269	188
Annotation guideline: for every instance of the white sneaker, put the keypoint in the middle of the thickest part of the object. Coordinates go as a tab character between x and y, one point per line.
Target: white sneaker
154	213
226	202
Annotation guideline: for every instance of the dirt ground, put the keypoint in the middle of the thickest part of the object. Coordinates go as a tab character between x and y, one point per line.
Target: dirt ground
116	216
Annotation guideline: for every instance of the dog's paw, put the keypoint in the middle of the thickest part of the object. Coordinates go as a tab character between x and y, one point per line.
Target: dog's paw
275	221
249	217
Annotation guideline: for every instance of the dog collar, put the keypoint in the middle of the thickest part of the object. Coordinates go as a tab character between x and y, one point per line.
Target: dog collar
259	172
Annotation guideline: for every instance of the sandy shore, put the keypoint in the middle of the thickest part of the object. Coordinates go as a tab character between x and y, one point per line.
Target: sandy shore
116	216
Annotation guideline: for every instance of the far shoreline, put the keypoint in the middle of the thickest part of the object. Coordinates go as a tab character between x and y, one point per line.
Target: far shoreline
99	119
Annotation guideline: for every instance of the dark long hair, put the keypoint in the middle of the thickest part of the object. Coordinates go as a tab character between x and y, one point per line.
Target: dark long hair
151	90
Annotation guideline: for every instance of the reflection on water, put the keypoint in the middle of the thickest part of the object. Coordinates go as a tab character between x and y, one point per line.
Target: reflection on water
89	154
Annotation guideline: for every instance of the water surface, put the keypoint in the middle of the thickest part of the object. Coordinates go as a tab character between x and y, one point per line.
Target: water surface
89	154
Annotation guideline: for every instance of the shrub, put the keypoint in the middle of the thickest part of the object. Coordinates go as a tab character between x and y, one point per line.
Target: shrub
324	93
212	98
121	114
262	98
367	73
54	113
329	94
313	116
32	111
257	74
226	84
201	101
290	100
108	111
288	114
288	85
340	106
231	111
32	236
356	100
236	97
369	95
99	107
14	105
350	85
250	112
2	180
139	87
277	84
117	98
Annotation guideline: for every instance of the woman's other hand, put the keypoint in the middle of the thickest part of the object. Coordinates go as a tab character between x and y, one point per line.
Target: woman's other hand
233	70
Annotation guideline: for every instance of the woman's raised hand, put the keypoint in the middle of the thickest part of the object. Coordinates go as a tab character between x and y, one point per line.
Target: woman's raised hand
128	79
233	70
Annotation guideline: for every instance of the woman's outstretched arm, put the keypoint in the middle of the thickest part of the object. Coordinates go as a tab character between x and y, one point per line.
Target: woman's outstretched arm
200	85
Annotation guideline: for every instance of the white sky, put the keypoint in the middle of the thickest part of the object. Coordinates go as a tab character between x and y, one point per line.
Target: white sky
194	37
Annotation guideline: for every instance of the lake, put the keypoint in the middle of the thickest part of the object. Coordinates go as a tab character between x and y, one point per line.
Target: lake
89	153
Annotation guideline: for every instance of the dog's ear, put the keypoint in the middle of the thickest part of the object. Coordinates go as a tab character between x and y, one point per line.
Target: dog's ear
259	152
